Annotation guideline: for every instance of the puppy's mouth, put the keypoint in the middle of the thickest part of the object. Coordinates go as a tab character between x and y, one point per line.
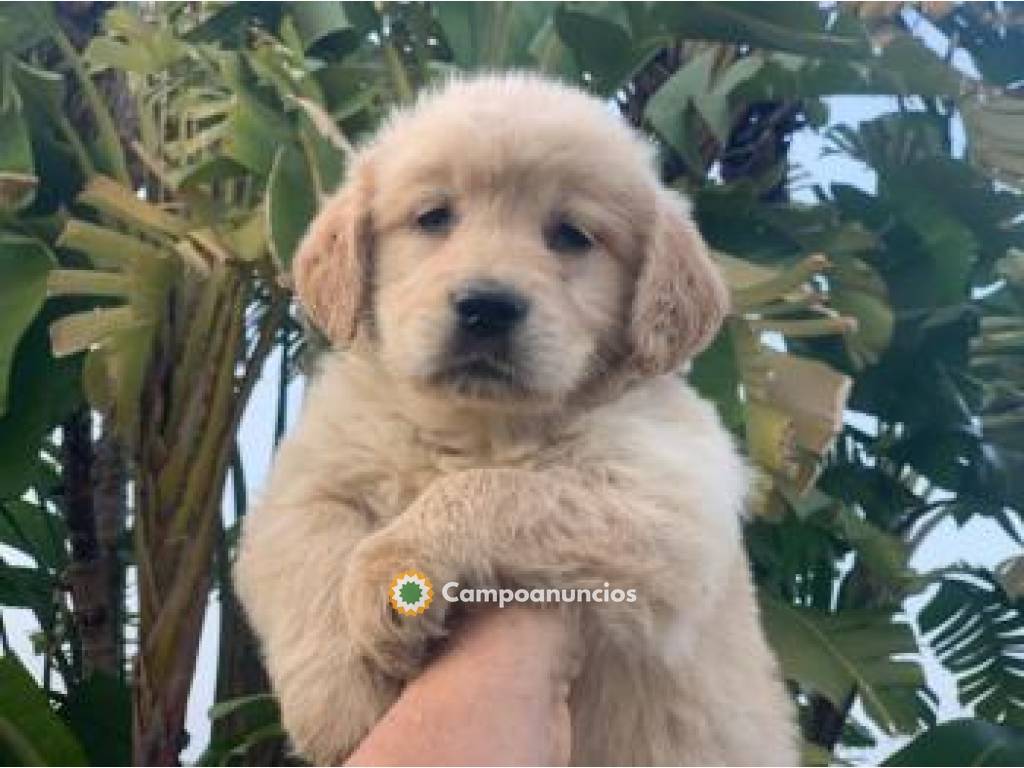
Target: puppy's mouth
482	377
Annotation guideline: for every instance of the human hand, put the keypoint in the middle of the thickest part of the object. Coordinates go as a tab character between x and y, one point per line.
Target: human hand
498	695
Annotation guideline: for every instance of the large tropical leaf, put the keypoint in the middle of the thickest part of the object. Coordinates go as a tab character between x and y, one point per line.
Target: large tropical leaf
291	203
995	130
802	28
490	35
135	270
31	733
263	723
28	587
35	531
99	712
18	179
43	391
604	42
24	266
850	653
22	26
977	631
963	742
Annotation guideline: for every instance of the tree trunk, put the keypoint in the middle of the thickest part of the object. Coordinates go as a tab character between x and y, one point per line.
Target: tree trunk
193	398
94	511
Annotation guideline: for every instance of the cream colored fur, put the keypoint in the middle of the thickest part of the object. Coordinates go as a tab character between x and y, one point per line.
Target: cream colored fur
595	464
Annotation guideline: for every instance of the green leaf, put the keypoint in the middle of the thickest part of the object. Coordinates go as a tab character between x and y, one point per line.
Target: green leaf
207	172
291	203
324	27
18	179
362	15
262	721
117	371
99	711
253	133
118	339
134	45
106	247
31	733
43	391
666	112
231	22
885	556
977	632
711	93
41	88
116	200
35	531
238	748
875	321
256	701
904	67
601	39
995	140
908	66
247	239
24	25
950	247
88	282
552	56
24	266
714	374
814	754
81	331
491	35
26	587
839	654
795	27
323	123
963	742
106	53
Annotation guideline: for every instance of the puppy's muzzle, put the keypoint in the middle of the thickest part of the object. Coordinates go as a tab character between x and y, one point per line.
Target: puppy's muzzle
487	312
485	350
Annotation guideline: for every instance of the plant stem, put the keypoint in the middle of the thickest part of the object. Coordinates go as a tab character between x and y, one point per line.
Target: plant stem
77	147
281	420
109	138
399	77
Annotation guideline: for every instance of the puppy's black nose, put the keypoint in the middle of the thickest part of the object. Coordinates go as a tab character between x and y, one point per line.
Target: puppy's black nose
488	309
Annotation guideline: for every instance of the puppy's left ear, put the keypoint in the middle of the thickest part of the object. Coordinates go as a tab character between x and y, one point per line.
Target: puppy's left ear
681	298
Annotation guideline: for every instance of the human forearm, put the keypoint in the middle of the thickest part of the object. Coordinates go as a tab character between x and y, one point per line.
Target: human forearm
497	696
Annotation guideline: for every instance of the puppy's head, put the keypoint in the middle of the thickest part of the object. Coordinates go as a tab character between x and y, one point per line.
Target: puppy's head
506	241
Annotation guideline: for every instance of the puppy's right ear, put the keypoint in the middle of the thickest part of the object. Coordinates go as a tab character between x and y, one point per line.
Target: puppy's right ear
331	262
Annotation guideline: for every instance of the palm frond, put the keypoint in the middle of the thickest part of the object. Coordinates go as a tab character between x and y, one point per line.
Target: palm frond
977	631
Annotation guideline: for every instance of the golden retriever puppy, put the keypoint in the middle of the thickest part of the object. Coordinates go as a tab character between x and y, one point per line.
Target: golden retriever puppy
512	291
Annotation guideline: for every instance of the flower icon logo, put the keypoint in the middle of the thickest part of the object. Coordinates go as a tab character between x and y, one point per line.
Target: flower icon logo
410	593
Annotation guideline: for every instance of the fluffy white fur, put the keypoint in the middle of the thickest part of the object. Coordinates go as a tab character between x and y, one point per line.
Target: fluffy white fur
587	461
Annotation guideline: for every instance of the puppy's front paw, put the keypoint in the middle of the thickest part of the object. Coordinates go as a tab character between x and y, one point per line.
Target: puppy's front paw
395	642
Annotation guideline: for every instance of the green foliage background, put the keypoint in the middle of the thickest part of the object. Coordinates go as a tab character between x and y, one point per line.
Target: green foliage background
158	164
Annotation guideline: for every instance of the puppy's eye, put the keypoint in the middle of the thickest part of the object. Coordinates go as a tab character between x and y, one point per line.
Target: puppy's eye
565	237
436	220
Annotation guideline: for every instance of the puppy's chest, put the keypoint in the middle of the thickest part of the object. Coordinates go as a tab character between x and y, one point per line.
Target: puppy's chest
392	476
